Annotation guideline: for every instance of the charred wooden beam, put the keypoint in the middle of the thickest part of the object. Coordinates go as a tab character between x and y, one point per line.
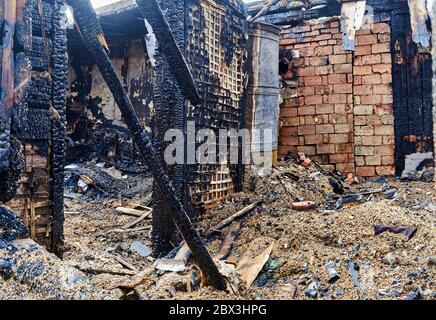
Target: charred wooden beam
432	13
90	30
59	78
152	12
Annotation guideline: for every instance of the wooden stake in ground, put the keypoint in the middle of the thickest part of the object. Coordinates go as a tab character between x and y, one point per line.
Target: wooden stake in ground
90	29
431	9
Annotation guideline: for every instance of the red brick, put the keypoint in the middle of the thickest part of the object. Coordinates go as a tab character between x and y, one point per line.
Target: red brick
383	109
385	151
362	70
313	100
338	138
383	89
360	161
386	78
288	112
334	24
322	37
288	131
306	72
338	59
386	58
343	128
363	90
323	70
360	120
306	110
363	31
343	108
325	128
325	51
363	109
345	167
313	81
371	59
388	160
380	28
381	48
337	79
364	151
372	99
313	139
371	79
344	147
324	109
384	130
383	37
338	158
363	130
319	61
343	88
306	129
338	98
357	80
373	160
338	118
371	140
362	50
374	120
309	150
285	42
284	150
306	91
385	170
382	68
288	140
343	68
365	171
325	148
366	39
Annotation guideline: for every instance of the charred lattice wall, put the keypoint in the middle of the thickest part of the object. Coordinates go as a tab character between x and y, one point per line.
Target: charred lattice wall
217	52
39	199
212	36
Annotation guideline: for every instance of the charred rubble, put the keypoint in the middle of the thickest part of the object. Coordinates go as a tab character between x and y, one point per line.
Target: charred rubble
343	208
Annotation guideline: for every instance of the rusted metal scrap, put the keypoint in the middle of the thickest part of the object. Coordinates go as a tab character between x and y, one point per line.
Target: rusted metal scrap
152	12
88	24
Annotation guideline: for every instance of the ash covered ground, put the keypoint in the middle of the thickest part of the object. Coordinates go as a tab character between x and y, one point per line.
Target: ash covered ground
338	233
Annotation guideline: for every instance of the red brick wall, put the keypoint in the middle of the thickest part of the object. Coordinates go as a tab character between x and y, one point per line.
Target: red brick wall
340	111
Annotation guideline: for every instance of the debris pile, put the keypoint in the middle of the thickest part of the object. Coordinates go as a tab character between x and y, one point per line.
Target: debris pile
293	234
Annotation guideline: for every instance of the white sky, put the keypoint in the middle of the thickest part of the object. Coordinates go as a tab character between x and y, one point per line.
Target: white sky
101	3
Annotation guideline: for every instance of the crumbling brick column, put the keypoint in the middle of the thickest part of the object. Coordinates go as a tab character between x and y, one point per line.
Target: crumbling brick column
317	115
338	104
373	98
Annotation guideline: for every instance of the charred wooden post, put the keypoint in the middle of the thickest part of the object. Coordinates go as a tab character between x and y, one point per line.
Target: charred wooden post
90	30
152	12
170	111
59	88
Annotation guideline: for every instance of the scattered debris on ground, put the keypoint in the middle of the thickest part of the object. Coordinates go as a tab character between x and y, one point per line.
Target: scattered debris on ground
297	233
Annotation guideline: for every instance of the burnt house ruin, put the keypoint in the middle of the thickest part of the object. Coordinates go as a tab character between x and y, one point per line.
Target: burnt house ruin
347	83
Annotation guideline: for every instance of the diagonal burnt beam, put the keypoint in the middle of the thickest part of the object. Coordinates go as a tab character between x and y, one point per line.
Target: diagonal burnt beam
152	12
87	22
